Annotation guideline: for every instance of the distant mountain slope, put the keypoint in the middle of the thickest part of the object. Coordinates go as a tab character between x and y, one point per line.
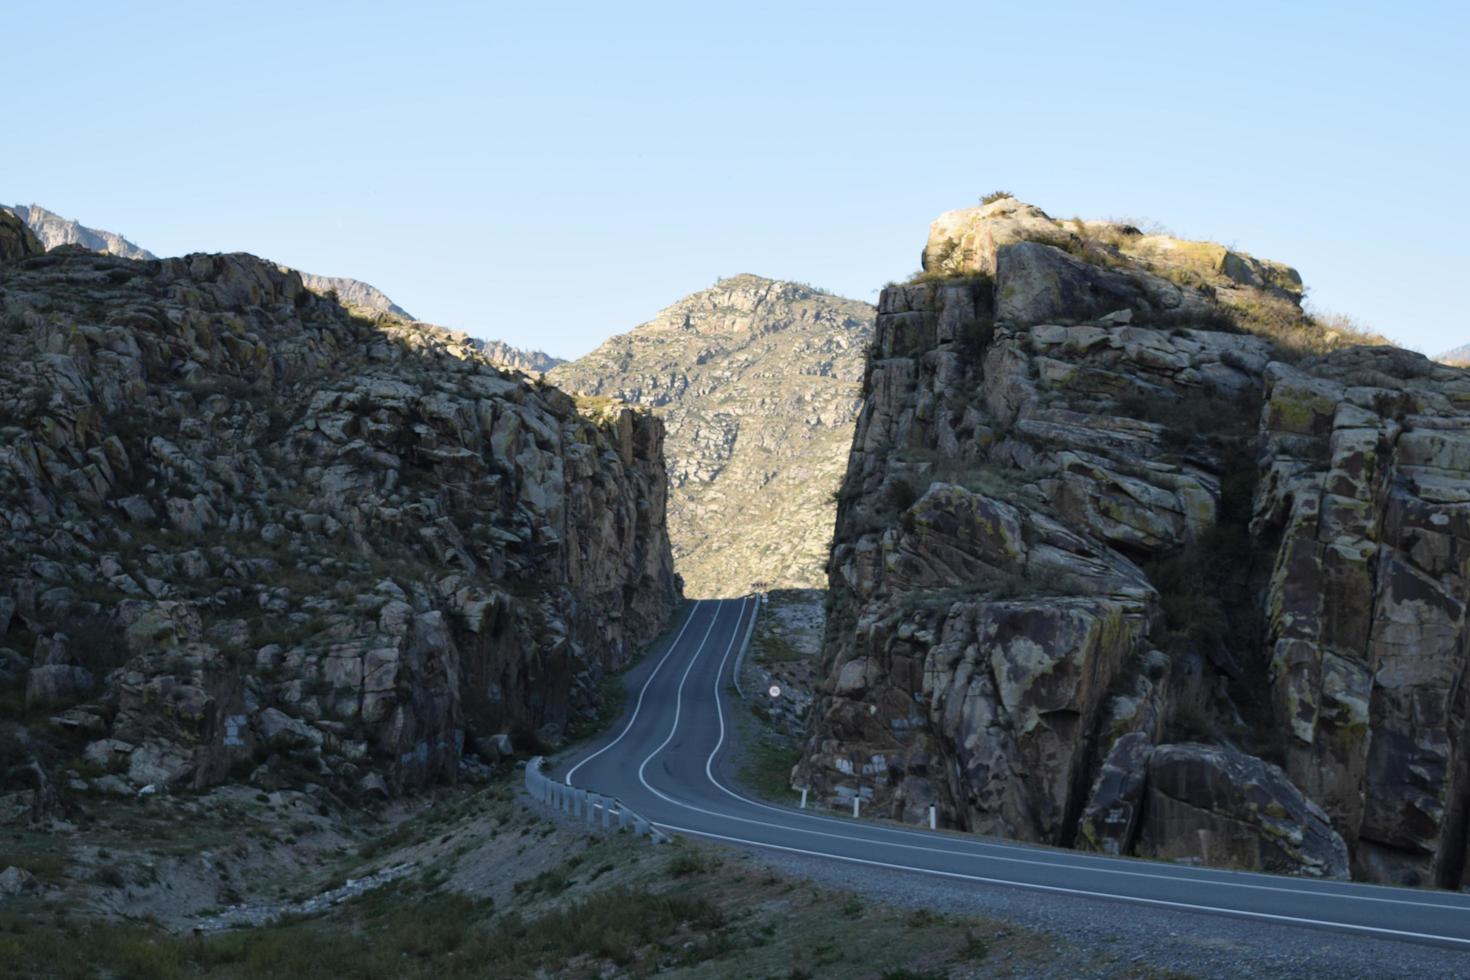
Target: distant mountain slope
355	292
529	361
53	230
758	382
1460	355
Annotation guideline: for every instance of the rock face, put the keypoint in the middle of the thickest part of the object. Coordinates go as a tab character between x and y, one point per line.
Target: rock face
245	534
355	294
16	240
1366	502
528	361
53	230
1119	566
757	380
1231	809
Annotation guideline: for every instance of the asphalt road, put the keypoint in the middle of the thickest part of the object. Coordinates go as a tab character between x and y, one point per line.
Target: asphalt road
663	761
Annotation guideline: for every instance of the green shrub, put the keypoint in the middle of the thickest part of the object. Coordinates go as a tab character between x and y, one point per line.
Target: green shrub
994	196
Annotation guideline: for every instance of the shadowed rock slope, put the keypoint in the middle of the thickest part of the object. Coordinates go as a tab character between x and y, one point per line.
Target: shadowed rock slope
245	534
757	380
1133	556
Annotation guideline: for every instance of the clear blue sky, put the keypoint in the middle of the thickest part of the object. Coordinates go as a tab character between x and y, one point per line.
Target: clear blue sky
553	173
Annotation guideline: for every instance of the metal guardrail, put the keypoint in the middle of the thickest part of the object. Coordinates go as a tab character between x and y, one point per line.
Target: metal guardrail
609	812
745	643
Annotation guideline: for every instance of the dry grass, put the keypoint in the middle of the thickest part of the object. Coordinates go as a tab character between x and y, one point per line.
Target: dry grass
612	906
1297	333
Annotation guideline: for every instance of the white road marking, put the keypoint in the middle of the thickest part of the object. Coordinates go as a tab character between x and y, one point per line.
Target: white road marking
1296	920
1304	889
678	697
1057	865
642	691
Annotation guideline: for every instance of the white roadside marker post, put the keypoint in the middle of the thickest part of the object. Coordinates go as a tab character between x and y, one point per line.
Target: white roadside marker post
855	801
933	824
803	797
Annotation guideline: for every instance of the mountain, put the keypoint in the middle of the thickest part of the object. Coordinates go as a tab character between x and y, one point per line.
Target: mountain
53	230
529	361
1133	556
354	293
757	380
252	537
1460	355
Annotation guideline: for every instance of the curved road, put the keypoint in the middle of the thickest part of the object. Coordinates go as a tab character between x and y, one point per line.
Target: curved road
663	762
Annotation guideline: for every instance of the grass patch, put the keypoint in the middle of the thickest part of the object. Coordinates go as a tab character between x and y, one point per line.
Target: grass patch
448	935
767	765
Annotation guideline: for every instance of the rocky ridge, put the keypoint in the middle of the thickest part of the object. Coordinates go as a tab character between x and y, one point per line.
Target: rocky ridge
355	294
757	381
53	230
250	535
1460	356
1133	556
527	361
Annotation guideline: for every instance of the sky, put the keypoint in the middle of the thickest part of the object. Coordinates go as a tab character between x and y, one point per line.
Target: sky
550	174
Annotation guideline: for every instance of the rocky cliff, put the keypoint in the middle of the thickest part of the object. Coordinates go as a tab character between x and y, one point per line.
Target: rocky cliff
53	230
529	361
1133	556
355	294
757	380
246	534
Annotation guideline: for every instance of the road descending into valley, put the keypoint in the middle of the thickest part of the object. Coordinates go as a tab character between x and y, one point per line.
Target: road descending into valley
663	761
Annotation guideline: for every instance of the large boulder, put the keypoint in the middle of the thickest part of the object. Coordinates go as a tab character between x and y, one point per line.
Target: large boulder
57	685
1036	283
16	881
1225	808
967	240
